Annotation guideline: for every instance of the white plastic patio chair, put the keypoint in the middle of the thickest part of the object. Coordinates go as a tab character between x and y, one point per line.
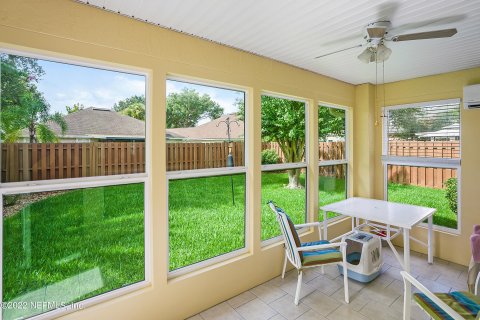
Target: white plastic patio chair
311	254
459	305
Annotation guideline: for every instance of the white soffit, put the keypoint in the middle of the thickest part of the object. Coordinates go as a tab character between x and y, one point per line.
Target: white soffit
295	32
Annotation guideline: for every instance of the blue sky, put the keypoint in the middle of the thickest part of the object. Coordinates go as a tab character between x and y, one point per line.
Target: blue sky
65	84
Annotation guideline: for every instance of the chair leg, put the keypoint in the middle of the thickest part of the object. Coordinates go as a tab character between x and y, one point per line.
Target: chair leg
284	265
345	275
299	285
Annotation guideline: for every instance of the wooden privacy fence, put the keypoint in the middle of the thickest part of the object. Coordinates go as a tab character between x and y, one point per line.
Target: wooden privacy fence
431	149
422	176
201	155
326	150
44	161
36	161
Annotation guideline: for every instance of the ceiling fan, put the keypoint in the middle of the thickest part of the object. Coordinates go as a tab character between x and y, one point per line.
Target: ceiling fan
376	35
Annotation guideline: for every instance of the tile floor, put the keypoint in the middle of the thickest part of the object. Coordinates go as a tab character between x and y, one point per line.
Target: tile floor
322	295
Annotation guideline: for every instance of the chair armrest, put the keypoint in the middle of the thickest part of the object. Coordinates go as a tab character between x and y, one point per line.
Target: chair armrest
476	283
309	224
442	305
322	246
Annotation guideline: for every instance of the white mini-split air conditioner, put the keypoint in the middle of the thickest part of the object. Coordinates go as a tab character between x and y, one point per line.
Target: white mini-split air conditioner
471	97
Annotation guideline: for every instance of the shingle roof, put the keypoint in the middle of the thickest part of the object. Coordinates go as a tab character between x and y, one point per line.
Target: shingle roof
215	129
100	123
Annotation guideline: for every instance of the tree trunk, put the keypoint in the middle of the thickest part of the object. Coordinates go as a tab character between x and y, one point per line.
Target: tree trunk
294	179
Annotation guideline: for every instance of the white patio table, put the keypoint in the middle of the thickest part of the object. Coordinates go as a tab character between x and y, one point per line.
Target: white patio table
393	218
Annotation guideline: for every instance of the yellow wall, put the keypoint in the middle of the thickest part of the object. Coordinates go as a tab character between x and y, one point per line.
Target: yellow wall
448	246
62	28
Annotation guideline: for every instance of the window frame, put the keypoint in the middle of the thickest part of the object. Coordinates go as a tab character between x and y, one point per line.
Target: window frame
9	188
427	162
345	161
205	173
293	165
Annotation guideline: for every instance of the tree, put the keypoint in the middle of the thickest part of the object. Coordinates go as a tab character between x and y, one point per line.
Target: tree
23	106
76	107
406	123
331	121
124	104
37	119
283	122
135	110
186	108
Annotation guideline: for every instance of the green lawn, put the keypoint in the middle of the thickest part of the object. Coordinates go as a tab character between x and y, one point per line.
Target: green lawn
69	239
60	237
423	196
203	221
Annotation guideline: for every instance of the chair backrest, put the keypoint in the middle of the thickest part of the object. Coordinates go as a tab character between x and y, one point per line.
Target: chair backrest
290	235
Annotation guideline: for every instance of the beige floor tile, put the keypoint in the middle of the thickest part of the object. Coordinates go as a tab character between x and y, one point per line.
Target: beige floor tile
357	300
287	308
452	280
384	295
394	273
222	311
380	311
416	312
242	298
290	287
325	285
256	310
321	303
322	296
311	315
268	293
346	312
434	286
195	317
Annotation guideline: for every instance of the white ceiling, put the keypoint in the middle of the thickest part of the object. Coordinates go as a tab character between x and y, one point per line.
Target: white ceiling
295	32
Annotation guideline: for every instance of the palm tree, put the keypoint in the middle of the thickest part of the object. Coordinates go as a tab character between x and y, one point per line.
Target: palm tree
37	116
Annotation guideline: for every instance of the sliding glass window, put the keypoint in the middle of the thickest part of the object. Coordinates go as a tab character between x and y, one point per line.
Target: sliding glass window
284	178
333	156
206	174
73	184
421	156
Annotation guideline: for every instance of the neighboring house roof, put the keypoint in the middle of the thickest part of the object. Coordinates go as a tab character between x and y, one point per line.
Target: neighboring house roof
452	130
213	130
98	123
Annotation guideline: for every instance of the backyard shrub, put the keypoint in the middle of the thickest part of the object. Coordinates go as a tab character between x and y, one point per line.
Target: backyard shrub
451	193
10	200
270	156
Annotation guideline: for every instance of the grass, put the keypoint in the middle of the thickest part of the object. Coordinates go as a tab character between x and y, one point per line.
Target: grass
428	197
293	201
65	235
203	221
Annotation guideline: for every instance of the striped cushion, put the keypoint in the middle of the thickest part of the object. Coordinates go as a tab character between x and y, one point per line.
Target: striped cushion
311	258
296	238
465	304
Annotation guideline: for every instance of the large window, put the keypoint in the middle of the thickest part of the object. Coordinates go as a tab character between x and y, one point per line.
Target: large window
421	150
283	161
77	232
333	158
206	173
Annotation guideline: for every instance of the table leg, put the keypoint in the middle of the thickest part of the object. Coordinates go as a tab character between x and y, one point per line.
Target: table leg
406	265
325	225
430	239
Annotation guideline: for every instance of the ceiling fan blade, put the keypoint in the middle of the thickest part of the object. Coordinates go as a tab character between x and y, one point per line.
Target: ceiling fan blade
425	35
345	49
430	23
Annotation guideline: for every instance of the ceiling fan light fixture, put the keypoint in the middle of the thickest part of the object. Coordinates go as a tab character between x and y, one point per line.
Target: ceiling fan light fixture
383	53
366	55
